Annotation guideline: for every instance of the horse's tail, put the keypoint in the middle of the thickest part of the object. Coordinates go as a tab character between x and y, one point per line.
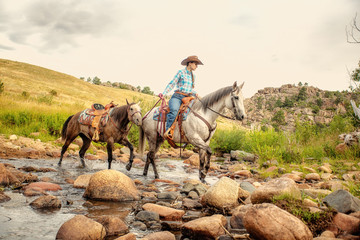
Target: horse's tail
141	141
64	128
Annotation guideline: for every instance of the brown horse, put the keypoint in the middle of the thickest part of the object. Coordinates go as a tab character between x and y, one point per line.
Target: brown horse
115	131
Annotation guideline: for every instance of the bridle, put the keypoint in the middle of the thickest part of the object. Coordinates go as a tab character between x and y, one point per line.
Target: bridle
130	116
233	97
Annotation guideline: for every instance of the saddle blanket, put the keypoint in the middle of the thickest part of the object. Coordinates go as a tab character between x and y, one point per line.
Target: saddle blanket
158	115
86	119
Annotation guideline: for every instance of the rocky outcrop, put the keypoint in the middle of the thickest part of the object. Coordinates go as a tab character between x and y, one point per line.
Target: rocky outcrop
305	103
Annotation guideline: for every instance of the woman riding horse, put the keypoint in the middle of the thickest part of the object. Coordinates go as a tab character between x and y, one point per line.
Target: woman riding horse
184	82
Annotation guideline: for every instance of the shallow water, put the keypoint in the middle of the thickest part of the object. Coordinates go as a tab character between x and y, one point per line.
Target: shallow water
19	221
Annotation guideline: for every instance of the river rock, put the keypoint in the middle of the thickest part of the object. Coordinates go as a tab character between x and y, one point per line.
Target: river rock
111	185
6	177
46	202
275	187
79	228
343	201
4	197
114	225
241	155
247	186
236	220
205	227
266	221
165	213
45	186
312	177
223	194
165	235
191	204
146	216
347	223
129	236
82	181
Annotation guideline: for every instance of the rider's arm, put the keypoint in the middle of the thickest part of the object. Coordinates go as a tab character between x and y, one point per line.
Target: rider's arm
173	83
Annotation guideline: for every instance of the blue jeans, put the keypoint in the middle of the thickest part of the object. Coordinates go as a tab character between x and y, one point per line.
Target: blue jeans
174	105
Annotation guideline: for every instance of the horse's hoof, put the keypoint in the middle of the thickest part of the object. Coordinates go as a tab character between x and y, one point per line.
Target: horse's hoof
156	176
128	167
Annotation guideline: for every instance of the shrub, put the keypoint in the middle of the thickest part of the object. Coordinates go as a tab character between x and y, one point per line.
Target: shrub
1	86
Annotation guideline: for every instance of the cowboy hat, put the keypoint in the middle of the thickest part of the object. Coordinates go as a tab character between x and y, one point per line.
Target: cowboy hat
191	59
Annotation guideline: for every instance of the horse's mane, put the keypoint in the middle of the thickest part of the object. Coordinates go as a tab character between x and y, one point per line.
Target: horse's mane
212	98
120	115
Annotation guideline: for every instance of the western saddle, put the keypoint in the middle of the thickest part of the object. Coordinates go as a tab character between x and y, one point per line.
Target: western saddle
98	111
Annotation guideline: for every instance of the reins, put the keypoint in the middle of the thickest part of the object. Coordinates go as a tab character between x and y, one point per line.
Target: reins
222	115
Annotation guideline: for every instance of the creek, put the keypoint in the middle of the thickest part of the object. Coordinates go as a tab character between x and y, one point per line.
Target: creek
19	221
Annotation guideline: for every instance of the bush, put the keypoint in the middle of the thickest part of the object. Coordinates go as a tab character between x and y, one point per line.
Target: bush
1	86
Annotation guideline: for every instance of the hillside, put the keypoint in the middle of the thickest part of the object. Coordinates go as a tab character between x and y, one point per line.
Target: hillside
281	107
29	86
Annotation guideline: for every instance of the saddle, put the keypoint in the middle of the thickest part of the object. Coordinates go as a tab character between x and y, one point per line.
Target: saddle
186	101
98	111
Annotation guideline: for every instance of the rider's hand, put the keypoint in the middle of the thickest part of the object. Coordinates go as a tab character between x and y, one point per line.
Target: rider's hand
161	95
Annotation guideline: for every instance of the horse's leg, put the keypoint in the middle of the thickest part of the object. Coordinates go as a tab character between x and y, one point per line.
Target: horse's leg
126	142
204	161
202	156
84	148
65	147
109	147
150	158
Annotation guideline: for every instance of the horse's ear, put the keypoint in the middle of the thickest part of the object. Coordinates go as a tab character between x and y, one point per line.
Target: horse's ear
241	86
127	102
139	103
234	86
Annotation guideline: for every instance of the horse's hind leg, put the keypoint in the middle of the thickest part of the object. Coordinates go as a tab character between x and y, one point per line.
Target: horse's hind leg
65	147
109	147
153	149
84	148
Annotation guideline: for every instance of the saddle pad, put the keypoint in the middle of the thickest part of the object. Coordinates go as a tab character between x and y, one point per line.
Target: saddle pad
157	114
86	119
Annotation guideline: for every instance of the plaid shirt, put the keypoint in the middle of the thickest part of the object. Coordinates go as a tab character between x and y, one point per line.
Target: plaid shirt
182	81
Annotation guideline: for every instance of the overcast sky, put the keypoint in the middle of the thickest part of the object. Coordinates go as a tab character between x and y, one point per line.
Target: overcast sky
141	42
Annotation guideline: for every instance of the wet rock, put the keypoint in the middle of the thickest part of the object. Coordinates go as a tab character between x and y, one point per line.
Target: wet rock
46	179
191	215
275	187
82	181
4	197
205	227
46	186
81	227
6	177
129	236
266	221
223	194
146	216
46	202
171	226
168	195
34	191
165	213
28	169
114	225
347	223
242	173
343	201
139	225
159	236
236	220
111	185
154	226
193	195
188	203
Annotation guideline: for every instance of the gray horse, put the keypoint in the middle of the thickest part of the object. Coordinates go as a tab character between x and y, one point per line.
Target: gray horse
198	128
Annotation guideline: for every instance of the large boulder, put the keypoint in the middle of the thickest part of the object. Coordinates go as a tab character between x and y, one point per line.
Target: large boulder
79	228
273	188
111	185
224	194
343	201
205	227
266	221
